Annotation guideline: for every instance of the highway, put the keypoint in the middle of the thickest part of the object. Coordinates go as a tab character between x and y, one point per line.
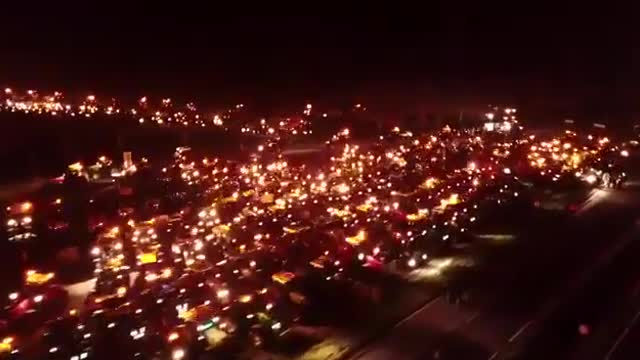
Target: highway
515	290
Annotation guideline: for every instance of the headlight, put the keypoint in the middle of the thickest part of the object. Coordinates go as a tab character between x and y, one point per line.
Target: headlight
178	354
411	262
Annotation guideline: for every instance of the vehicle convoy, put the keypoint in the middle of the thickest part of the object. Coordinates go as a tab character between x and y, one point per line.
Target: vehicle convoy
609	175
261	251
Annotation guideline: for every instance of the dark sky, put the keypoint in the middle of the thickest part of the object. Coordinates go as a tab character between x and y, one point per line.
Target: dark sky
570	57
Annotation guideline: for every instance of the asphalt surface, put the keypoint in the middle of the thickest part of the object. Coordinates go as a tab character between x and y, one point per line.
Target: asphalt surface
511	294
626	345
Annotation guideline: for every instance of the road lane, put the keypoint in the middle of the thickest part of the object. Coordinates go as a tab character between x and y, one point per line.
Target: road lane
486	330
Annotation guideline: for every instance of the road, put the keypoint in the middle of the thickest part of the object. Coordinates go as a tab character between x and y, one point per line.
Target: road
514	290
610	307
626	345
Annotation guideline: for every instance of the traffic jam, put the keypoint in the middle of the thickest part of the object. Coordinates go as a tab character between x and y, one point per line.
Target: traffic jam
256	244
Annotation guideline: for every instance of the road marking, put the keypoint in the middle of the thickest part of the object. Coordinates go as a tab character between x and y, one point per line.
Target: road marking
417	311
368	348
495	355
520	331
622	336
472	317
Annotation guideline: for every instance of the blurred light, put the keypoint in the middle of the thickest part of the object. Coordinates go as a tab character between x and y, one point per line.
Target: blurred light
178	354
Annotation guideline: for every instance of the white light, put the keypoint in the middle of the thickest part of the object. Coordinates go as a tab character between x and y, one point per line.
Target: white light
223	293
111	325
591	179
13	296
507	171
53	349
624	153
277	326
38	298
95	251
361	256
411	262
12	222
177	354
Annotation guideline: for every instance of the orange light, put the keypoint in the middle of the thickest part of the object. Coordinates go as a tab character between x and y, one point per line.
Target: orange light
283	277
26	206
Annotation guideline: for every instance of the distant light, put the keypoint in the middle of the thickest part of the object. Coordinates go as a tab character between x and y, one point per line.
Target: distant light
95	251
173	336
91	98
583	329
178	354
8	90
624	153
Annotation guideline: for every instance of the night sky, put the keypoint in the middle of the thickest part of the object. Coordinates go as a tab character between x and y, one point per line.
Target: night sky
572	61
